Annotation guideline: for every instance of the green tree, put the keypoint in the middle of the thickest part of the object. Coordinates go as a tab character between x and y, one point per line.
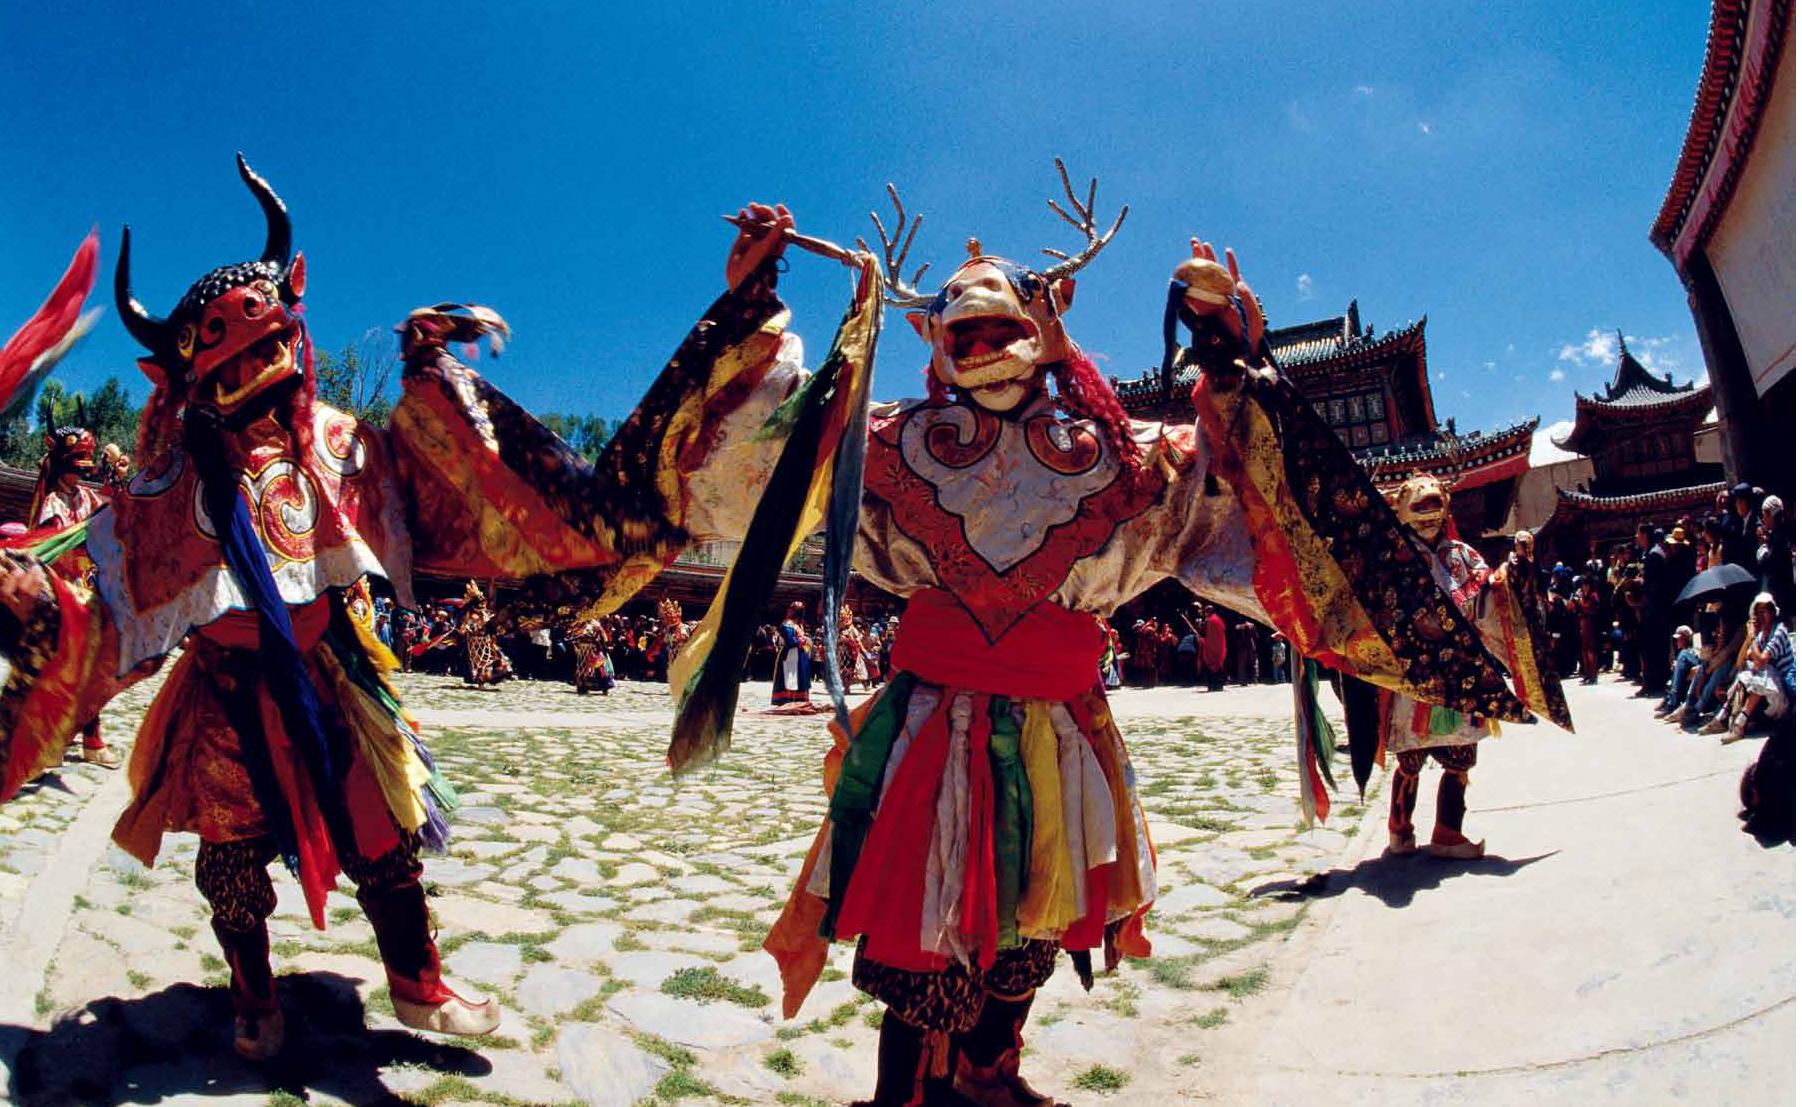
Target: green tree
361	378
110	413
586	434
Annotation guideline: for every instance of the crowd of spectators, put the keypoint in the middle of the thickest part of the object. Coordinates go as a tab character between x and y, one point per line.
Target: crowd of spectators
539	647
1718	661
1203	646
430	641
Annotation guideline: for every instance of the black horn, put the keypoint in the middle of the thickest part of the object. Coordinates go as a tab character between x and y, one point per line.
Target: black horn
150	331
281	233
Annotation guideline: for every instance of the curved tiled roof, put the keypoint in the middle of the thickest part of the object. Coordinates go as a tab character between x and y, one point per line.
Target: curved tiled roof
1449	446
1634	392
1730	99
1312	349
1573	505
1472	460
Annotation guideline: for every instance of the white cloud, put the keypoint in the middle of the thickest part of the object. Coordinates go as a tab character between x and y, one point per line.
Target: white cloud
1304	287
1489	365
1363	90
1596	347
1440	375
1425	127
1298	119
1657	355
1557	375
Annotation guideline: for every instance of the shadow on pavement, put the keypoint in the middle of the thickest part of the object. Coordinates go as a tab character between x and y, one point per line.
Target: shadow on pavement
1394	880
176	1044
51	781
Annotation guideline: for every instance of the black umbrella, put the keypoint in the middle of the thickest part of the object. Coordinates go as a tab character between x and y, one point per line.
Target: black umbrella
1717	579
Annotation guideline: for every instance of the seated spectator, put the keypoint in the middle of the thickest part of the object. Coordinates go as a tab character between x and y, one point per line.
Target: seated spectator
1721	641
1688	660
1760	684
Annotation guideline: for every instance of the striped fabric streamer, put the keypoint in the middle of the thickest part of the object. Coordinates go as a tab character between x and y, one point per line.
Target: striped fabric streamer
805	489
1314	740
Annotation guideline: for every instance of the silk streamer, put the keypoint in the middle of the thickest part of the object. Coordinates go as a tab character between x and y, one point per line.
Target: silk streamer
805	488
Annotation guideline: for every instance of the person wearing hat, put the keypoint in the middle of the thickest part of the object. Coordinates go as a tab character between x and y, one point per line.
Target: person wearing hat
1688	661
1776	556
1766	679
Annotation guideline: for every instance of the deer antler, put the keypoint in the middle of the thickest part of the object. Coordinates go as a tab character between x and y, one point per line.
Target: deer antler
894	257
1068	264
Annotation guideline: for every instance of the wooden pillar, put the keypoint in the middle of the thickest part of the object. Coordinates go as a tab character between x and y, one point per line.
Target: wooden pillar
1735	397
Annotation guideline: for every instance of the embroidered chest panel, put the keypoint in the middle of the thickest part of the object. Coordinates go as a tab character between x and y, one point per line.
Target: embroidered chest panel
1004	507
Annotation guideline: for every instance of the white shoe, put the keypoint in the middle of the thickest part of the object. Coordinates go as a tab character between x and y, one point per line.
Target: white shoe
1457	849
465	1018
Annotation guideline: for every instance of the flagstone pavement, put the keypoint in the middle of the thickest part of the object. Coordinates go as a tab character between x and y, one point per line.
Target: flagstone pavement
616	913
1626	944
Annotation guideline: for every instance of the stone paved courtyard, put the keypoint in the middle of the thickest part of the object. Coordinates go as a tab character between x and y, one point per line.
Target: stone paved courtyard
617	915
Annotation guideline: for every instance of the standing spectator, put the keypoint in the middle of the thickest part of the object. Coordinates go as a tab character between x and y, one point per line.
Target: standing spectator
1213	649
1740	544
793	684
1245	652
1188	656
1279	659
1144	653
1776	557
1588	606
1629	598
1654	613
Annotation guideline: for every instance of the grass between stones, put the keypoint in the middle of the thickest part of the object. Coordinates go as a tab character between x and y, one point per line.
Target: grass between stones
706	985
783	1063
1101	1079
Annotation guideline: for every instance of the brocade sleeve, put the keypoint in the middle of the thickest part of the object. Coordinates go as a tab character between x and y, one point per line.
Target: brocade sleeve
1335	570
58	669
494	494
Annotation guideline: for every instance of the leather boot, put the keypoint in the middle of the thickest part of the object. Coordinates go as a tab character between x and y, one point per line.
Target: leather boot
1448	842
905	1064
257	1026
1403	791
988	1057
422	1000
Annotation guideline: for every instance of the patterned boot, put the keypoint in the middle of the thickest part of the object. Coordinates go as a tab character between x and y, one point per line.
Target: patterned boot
1449	842
906	1058
422	1000
257	1028
988	1057
1402	793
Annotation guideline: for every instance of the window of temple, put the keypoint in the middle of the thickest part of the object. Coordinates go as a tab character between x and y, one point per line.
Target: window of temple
1361	419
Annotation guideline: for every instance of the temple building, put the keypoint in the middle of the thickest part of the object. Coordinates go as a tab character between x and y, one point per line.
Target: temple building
1374	391
1728	226
1641	437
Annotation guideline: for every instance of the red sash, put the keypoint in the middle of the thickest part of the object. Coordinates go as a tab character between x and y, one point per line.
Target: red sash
1051	653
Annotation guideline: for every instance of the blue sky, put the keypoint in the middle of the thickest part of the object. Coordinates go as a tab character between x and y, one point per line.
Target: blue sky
1494	167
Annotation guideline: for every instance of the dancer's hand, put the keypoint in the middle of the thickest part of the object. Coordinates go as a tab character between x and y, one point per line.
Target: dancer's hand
1251	328
756	245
